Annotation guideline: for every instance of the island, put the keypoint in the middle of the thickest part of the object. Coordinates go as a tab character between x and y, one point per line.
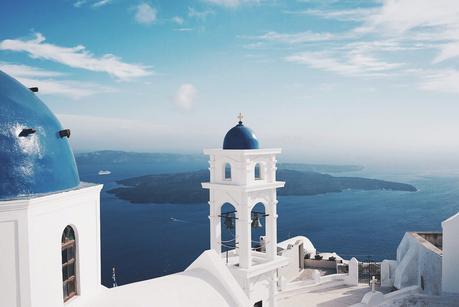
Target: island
185	187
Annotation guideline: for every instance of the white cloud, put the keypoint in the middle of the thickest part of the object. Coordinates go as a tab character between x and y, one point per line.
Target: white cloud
437	22
399	16
441	81
357	14
185	96
448	51
184	29
79	3
193	13
351	64
145	14
43	79
101	3
294	38
178	20
391	29
231	3
77	57
27	71
91	3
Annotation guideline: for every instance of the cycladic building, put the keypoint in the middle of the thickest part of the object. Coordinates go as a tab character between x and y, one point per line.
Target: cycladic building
49	220
50	233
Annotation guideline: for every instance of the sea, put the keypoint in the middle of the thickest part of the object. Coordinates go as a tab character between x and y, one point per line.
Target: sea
144	241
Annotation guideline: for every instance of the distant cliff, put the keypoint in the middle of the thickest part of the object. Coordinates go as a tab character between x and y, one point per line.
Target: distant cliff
186	187
136	163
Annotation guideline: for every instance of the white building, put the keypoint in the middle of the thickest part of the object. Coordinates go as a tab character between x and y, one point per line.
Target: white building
50	233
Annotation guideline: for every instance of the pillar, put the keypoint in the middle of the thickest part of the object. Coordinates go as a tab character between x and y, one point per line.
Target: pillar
245	236
215	227
271	229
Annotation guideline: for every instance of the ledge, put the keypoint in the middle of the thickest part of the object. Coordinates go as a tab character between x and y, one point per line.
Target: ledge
243	188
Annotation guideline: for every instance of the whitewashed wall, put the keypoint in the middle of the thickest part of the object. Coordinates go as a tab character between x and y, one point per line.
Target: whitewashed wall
35	228
450	278
417	259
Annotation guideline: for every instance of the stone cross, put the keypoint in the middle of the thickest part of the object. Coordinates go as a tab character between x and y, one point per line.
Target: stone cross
240	117
373	283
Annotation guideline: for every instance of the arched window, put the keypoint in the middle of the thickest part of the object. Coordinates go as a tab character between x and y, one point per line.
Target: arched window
257	172
69	281
227	171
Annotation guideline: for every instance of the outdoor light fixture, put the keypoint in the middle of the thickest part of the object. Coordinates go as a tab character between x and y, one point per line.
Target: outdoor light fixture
26	132
64	133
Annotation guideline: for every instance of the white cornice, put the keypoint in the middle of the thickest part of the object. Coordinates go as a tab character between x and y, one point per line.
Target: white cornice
243	188
44	200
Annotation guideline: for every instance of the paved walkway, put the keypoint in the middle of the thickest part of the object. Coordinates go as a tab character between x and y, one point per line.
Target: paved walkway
337	296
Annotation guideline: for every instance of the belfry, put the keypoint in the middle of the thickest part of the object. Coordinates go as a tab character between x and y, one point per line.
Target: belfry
243	175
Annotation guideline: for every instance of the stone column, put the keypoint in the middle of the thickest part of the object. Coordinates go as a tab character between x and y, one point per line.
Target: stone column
215	227
271	229
353	275
273	289
244	232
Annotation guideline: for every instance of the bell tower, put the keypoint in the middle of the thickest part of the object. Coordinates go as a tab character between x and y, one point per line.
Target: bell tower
244	175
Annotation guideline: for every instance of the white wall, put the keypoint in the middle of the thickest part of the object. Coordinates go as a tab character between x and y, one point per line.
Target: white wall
450	270
223	282
388	272
35	229
292	270
416	259
14	254
9	290
48	218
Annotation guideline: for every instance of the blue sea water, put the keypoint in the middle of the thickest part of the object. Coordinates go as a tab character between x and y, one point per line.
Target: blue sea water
149	240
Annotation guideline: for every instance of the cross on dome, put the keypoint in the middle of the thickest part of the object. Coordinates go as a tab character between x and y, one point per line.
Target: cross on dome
240	117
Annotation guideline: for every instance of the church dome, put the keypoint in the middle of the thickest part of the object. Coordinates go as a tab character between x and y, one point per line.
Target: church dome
240	137
34	157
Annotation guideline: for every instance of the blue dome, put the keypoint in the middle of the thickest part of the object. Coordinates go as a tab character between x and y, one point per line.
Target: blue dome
34	159
240	137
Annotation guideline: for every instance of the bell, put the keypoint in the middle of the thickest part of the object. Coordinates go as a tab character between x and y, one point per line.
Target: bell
256	221
228	222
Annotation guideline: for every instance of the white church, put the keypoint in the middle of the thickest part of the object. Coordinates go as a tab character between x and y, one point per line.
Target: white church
50	234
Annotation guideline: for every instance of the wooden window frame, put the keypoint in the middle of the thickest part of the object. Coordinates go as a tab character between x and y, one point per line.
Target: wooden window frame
70	262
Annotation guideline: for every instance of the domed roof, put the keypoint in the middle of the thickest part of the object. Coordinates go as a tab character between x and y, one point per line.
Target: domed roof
34	158
240	137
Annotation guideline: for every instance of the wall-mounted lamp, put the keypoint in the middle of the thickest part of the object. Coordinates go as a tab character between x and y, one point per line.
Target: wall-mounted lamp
64	133
26	132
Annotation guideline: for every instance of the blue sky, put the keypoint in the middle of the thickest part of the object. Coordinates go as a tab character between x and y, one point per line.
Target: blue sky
328	81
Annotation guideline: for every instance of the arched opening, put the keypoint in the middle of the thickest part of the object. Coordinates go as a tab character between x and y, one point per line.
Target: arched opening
69	276
258	225
228	227
257	171
227	171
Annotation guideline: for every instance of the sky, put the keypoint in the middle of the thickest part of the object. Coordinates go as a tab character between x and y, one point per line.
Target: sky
366	82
